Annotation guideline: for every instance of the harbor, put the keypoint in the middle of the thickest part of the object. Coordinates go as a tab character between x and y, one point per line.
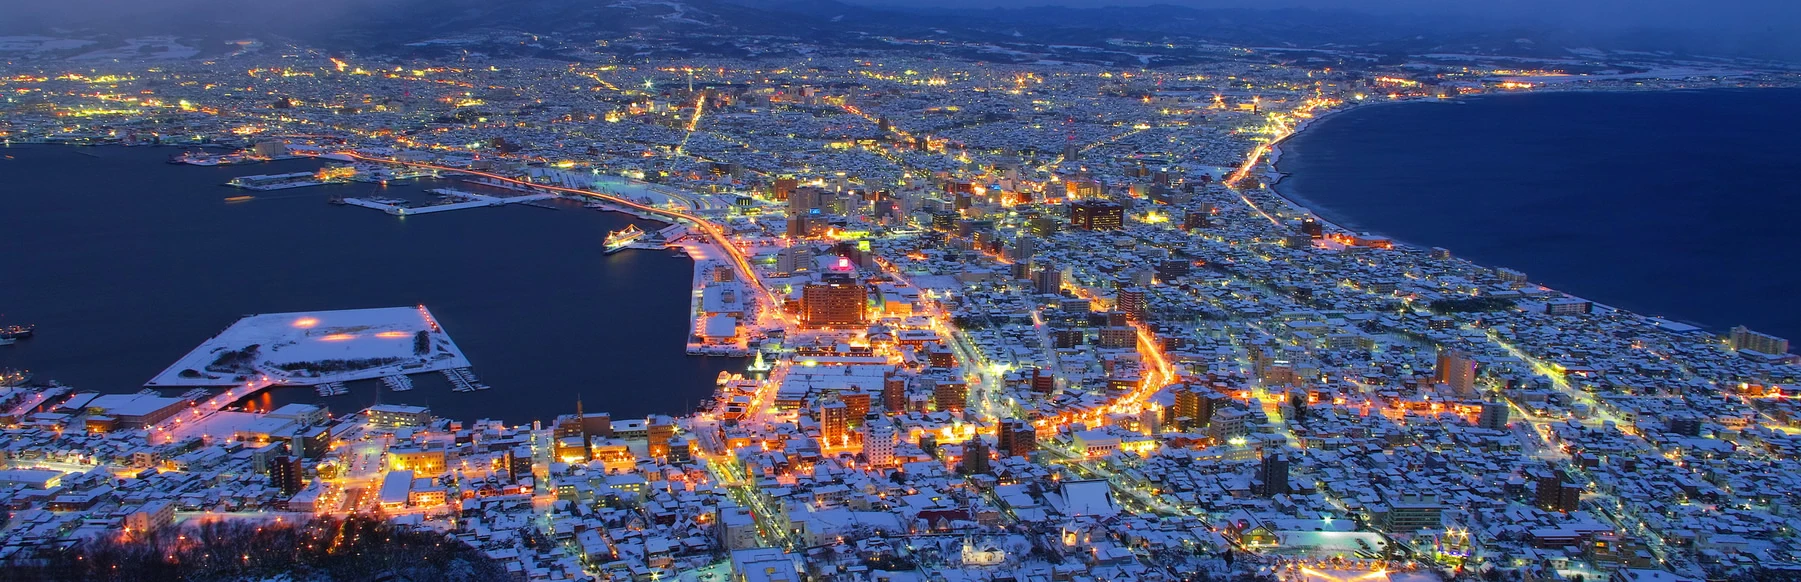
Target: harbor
551	275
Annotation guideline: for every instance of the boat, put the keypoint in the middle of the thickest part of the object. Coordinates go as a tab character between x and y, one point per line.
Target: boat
18	332
238	198
7	341
620	239
10	377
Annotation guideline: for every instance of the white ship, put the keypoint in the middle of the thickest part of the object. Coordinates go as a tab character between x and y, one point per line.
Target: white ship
620	239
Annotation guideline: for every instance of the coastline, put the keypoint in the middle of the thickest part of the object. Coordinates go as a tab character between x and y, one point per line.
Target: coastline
1294	200
1274	157
1298	202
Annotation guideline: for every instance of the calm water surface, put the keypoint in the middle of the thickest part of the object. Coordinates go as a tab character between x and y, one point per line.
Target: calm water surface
1681	204
125	263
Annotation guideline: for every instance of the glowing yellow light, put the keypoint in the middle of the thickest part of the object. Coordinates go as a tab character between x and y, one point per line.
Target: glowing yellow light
306	322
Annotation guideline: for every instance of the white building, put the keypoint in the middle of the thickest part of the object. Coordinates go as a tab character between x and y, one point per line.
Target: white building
879	439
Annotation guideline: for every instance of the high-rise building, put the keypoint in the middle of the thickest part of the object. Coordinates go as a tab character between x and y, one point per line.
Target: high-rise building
1312	228
783	188
1082	189
659	429
287	474
1047	279
941	357
1743	339
681	450
803	207
271	148
1457	370
894	394
1097	215
1227	424
1194	219
1556	493
1119	336
1043	381
1273	474
856	405
1017	438
1494	416
1193	408
950	396
1131	302
834	423
1408	513
879	438
975	457
1024	248
836	301
519	462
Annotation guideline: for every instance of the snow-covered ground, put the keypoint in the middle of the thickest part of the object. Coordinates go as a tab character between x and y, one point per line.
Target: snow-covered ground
33	44
316	347
149	47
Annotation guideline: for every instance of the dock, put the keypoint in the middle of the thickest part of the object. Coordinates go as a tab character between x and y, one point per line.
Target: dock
707	257
331	389
398	382
463	380
267	182
455	200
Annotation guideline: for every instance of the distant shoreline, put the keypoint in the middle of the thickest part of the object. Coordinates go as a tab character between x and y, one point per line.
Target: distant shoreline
1295	200
1299	202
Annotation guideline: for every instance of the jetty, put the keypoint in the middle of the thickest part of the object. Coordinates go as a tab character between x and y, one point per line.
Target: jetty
331	389
398	382
453	200
463	380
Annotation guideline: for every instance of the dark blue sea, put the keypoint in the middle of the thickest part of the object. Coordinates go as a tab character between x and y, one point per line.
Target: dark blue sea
125	263
1679	204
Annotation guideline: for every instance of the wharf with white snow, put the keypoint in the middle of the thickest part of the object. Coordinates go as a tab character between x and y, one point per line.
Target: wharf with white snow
455	200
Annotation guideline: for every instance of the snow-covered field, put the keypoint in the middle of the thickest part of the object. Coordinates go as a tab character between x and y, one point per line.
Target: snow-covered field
316	347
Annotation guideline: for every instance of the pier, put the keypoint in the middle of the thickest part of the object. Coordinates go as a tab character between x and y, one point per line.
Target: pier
708	257
456	200
463	380
398	382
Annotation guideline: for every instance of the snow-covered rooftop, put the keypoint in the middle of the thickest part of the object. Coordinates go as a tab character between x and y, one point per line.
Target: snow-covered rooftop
316	347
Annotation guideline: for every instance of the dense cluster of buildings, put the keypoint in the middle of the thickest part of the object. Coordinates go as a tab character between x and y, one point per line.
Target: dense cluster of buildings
1010	323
